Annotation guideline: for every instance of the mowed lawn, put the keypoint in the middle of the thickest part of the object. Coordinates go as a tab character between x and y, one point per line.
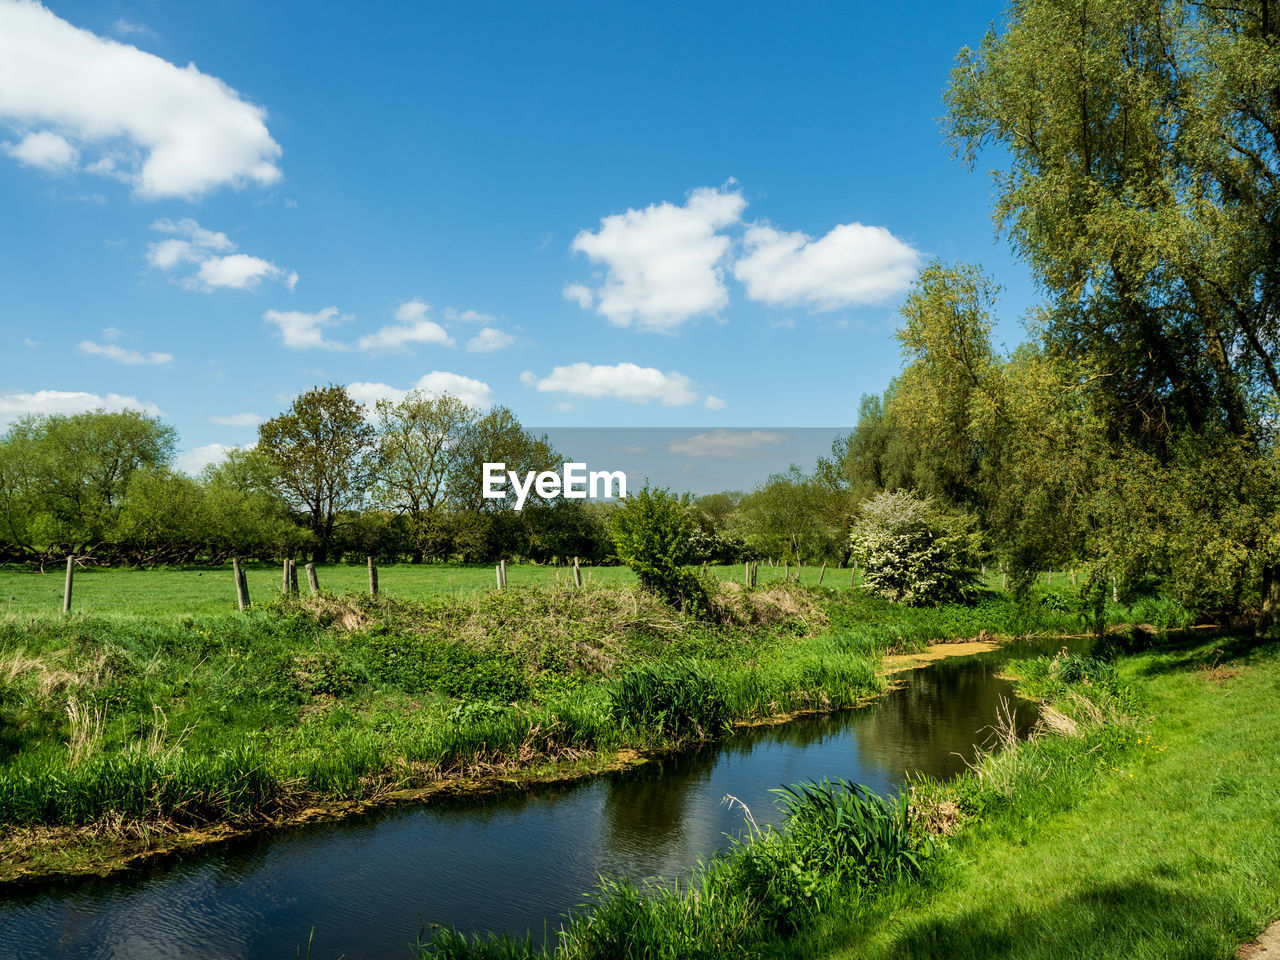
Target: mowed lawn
181	591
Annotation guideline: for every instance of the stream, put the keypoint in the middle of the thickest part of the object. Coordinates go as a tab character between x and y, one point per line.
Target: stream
367	886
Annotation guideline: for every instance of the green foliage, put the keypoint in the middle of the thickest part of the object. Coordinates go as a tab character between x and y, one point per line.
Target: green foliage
914	552
64	478
653	534
418	664
320	451
837	837
675	699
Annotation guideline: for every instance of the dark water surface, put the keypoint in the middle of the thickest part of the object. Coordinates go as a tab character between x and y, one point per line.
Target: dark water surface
367	886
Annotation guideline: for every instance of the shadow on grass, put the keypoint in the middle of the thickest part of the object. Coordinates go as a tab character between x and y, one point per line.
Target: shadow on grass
1179	653
1128	920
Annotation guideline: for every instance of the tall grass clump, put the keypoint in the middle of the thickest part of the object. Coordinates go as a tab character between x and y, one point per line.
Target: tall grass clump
681	699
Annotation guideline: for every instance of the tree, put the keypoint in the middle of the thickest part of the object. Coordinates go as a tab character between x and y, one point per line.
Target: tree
653	533
322	452
793	517
424	442
1143	178
245	512
63	477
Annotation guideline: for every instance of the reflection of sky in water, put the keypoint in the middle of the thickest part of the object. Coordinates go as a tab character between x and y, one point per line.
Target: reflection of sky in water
367	886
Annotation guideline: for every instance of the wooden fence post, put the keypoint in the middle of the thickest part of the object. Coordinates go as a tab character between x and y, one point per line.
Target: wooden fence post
242	585
746	573
786	572
853	576
822	573
1115	590
373	579
293	577
755	572
66	592
503	565
497	574
577	573
313	582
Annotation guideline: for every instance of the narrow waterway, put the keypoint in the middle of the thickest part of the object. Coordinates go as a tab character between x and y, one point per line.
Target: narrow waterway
366	887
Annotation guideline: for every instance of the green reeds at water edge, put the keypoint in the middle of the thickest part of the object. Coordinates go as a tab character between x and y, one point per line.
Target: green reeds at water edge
837	839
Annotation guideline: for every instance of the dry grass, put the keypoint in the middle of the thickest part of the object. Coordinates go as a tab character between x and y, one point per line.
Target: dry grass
85	737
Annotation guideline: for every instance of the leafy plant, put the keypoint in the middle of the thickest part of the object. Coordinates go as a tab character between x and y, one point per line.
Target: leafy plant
913	551
654	534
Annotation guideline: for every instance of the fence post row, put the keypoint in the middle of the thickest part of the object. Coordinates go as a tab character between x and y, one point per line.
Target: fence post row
66	591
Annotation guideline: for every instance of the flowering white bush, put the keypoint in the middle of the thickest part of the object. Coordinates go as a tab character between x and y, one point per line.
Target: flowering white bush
912	551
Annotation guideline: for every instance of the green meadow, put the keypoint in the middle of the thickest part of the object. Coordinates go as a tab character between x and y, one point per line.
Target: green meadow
207	591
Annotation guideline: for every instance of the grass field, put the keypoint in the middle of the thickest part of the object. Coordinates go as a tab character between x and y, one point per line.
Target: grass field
188	591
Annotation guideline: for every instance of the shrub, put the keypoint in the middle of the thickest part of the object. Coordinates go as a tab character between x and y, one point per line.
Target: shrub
654	534
914	552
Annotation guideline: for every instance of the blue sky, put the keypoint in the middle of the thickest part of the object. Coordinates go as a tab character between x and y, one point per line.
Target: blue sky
598	215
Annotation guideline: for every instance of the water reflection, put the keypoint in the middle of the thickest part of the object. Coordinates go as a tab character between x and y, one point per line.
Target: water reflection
516	863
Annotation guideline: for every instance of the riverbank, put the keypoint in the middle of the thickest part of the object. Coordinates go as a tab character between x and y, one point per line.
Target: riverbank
1142	821
130	740
1166	844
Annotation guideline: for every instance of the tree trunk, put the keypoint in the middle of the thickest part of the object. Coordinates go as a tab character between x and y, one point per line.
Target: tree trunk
1270	611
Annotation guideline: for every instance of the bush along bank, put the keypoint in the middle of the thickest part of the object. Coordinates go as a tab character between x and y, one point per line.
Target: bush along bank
841	844
130	730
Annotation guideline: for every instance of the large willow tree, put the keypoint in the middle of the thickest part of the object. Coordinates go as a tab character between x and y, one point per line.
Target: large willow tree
1142	185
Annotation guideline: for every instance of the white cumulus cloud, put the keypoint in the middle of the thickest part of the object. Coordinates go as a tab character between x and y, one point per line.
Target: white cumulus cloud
412	327
217	266
623	381
238	420
44	150
196	459
852	264
170	131
475	393
727	444
713	403
489	339
304	331
663	264
15	405
120	354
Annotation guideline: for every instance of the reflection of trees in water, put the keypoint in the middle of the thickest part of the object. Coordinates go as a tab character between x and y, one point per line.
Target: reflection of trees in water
933	723
648	821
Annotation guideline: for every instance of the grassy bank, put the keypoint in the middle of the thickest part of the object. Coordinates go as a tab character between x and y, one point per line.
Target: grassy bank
119	731
1142	821
1162	842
